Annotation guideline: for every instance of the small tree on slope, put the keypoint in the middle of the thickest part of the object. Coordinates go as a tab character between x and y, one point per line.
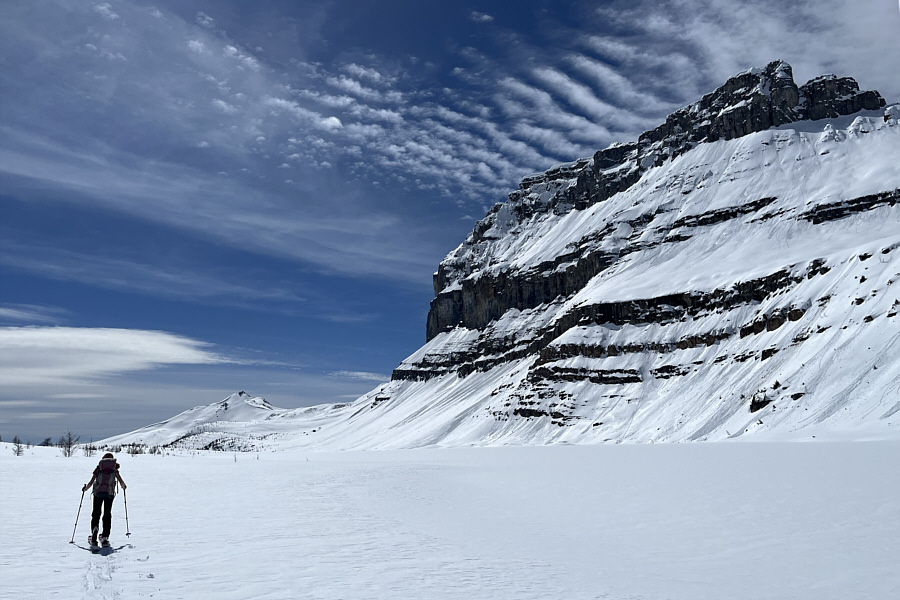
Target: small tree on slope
17	448
68	443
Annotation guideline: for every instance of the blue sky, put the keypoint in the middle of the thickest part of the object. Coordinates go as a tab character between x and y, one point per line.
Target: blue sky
201	197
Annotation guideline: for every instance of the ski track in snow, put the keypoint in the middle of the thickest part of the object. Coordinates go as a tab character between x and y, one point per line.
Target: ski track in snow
735	520
98	578
99	570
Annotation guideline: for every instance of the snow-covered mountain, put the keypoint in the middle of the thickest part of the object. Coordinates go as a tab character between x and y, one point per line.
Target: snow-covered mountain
734	272
239	422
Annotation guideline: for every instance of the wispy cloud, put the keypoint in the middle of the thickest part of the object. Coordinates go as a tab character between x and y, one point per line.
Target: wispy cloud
355	109
246	145
696	44
624	92
68	355
361	376
105	10
42	415
480	17
241	58
577	94
32	314
180	281
353	87
537	107
232	121
204	20
368	73
224	107
196	46
223	208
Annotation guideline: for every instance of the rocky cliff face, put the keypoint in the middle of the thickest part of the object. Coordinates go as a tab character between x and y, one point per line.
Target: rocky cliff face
470	293
702	272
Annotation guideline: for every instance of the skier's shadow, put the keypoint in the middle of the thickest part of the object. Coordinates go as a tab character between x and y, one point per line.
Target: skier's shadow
103	550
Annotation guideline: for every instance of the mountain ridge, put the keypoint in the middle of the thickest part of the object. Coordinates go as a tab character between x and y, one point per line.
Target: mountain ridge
751	101
693	285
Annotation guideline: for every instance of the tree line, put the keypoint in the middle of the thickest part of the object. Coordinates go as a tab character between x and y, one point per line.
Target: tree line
68	444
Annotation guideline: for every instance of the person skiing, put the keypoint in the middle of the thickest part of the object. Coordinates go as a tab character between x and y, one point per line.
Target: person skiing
104	480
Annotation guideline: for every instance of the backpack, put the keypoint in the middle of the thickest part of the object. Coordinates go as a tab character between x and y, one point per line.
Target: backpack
105	480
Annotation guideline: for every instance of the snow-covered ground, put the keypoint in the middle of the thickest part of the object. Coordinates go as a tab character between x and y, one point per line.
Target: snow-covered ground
720	520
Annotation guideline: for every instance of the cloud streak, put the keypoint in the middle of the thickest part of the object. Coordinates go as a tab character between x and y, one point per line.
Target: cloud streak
31	314
362	376
183	282
71	355
221	208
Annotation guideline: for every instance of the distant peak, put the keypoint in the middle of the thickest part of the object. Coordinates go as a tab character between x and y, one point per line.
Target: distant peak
245	398
778	69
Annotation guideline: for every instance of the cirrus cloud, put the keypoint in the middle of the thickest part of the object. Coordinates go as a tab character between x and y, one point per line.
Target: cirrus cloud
69	355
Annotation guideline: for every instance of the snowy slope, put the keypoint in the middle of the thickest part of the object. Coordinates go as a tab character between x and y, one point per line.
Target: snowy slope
236	408
240	422
675	289
677	338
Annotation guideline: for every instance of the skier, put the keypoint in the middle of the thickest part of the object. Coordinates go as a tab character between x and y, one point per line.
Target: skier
104	483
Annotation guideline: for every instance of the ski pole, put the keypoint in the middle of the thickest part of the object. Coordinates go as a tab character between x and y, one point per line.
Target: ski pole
127	529
76	516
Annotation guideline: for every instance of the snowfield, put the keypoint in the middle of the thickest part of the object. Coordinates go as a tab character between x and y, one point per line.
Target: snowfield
720	520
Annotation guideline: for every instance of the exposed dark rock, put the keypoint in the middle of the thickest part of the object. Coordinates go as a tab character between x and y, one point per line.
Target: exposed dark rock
529	412
491	351
667	371
602	376
724	214
758	404
751	101
838	210
479	301
829	96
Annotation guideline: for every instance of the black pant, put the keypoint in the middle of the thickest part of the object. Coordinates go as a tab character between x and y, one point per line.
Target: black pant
104	504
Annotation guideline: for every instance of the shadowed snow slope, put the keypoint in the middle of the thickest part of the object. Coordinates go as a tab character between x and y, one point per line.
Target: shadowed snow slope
719	278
